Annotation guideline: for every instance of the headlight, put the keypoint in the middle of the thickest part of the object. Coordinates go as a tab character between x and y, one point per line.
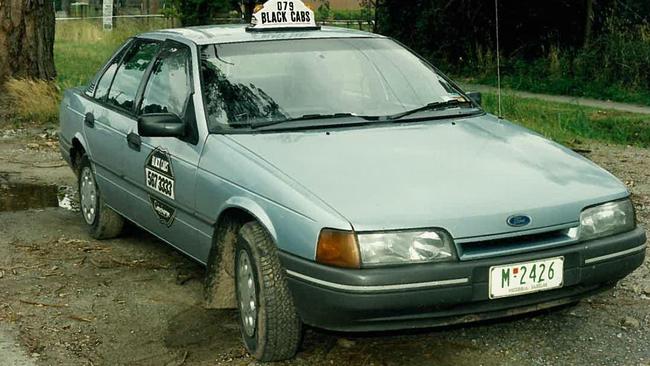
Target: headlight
608	219
405	247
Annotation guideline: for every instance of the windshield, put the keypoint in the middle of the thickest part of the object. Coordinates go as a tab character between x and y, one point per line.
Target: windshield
260	82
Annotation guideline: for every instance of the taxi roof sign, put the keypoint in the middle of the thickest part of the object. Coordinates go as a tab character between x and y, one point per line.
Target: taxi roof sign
283	14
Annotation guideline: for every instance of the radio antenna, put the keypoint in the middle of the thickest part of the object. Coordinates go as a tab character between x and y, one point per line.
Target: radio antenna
496	16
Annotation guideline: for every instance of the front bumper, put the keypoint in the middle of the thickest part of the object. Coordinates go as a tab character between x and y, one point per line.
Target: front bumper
428	295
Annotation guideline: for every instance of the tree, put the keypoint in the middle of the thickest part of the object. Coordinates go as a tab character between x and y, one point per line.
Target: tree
589	22
27	39
201	12
453	32
249	9
65	6
371	11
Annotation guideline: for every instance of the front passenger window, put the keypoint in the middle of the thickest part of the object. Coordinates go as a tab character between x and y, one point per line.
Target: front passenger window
169	87
129	75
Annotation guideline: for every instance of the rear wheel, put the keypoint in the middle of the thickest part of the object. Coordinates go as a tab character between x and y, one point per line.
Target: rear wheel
270	325
103	222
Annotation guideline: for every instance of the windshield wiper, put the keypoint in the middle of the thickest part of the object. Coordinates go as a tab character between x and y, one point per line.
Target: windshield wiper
308	117
432	107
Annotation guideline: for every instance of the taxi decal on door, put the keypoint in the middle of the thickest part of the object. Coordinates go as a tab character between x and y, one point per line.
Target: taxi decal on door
166	213
158	173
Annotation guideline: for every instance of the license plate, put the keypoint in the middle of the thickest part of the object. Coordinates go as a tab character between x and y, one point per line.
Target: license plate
524	278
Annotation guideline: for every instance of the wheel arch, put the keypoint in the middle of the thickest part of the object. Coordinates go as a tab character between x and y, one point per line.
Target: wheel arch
77	150
220	281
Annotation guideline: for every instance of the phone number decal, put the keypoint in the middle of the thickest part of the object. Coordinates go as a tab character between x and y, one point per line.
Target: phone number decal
160	183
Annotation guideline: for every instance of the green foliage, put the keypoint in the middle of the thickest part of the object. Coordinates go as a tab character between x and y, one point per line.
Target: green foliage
81	46
349	14
369	7
324	11
201	12
542	43
613	67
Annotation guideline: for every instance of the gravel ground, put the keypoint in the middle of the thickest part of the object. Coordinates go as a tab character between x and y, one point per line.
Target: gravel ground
66	299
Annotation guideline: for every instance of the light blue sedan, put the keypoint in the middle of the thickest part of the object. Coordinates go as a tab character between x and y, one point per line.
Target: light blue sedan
333	178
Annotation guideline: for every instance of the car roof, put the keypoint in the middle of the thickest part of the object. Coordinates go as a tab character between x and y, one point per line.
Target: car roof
235	33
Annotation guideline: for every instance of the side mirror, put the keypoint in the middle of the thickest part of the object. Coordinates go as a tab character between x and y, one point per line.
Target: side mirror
477	97
161	125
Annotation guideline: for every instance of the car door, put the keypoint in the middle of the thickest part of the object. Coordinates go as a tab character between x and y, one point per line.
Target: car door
110	117
163	169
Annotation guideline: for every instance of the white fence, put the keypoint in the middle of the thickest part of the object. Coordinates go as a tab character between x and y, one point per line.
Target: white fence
360	24
114	17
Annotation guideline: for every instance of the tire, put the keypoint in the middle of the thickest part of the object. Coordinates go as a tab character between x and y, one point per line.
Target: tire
276	331
103	222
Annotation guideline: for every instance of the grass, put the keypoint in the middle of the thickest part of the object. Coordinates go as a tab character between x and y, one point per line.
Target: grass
20	95
530	81
324	13
81	47
573	125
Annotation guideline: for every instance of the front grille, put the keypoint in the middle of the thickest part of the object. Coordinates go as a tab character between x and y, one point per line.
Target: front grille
485	248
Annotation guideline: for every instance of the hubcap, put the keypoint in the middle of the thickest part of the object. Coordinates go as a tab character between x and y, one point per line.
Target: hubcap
88	195
247	293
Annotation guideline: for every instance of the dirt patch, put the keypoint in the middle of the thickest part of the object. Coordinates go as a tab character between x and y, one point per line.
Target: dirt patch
32	156
66	299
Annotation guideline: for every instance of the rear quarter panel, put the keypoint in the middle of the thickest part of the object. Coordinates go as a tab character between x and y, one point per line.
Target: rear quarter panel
71	117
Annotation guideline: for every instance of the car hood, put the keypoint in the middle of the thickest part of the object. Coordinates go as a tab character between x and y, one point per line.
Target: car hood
464	175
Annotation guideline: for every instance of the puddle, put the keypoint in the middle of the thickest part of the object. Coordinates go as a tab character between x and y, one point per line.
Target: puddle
25	196
68	198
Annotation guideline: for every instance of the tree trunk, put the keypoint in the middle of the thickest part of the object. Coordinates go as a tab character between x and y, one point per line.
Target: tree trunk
65	6
154	7
249	8
27	39
375	26
589	21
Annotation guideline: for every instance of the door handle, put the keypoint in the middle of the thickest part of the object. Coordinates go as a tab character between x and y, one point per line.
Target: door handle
134	141
89	120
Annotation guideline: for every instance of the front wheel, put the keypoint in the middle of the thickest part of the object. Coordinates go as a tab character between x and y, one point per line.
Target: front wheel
103	223
270	325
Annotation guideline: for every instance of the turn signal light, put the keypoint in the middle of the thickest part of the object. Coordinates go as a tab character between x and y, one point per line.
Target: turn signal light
338	248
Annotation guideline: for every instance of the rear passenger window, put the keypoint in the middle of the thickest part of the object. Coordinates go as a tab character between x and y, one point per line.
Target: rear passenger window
101	90
129	75
105	82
